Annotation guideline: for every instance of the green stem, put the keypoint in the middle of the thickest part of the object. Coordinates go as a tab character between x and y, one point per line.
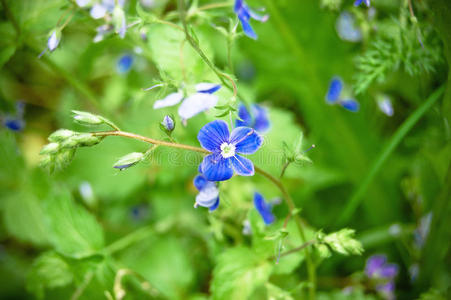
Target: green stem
402	131
133	237
195	45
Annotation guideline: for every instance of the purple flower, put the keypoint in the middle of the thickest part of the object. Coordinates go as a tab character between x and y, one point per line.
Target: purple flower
333	96
386	290
244	14
168	123
358	2
208	193
377	267
194	104
257	119
225	147
264	208
124	63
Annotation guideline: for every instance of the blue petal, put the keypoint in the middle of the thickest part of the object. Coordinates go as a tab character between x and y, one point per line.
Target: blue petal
247	26
245	116
217	168
238	5
213	134
208	196
263	208
351	105
196	104
170	100
242	166
124	64
214	206
246	140
208	88
358	2
200	182
256	16
261	123
335	87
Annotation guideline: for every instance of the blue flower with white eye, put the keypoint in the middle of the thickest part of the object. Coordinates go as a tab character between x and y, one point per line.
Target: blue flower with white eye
264	208
225	147
333	96
194	104
257	118
358	2
347	29
124	63
208	193
244	14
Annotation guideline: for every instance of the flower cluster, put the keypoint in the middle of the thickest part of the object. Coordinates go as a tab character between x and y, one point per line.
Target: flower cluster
382	274
334	96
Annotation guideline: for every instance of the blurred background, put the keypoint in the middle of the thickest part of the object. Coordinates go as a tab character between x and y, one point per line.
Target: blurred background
89	231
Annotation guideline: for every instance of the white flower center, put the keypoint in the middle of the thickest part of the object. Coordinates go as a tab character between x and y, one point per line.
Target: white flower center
227	150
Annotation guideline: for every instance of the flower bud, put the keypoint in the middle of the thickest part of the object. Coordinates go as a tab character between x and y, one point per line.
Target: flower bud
51	148
87	139
168	123
119	22
64	157
87	119
54	39
45	161
128	160
61	135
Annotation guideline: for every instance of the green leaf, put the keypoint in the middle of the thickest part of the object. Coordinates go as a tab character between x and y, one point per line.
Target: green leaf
7	42
276	293
49	270
72	230
343	242
238	273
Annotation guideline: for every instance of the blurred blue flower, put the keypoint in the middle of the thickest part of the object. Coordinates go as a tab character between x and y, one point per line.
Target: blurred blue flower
100	8
385	105
257	119
244	14
15	122
377	267
54	40
225	147
194	104
124	63
333	96
358	2
347	29
264	208
208	195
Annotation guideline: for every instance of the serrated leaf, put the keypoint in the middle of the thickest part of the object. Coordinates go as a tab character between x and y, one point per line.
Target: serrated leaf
238	273
72	230
49	270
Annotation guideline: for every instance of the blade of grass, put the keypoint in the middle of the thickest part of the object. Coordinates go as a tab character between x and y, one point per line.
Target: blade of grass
397	137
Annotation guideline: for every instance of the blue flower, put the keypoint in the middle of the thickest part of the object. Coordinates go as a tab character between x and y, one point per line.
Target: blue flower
347	29
168	123
244	14
333	96
124	63
208	193
358	2
16	122
225	147
258	119
264	208
194	104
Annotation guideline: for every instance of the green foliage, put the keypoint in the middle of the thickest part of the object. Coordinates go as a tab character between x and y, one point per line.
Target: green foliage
73	231
50	271
238	272
341	241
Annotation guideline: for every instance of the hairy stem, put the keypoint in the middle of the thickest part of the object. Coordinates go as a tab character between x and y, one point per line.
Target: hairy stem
195	45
